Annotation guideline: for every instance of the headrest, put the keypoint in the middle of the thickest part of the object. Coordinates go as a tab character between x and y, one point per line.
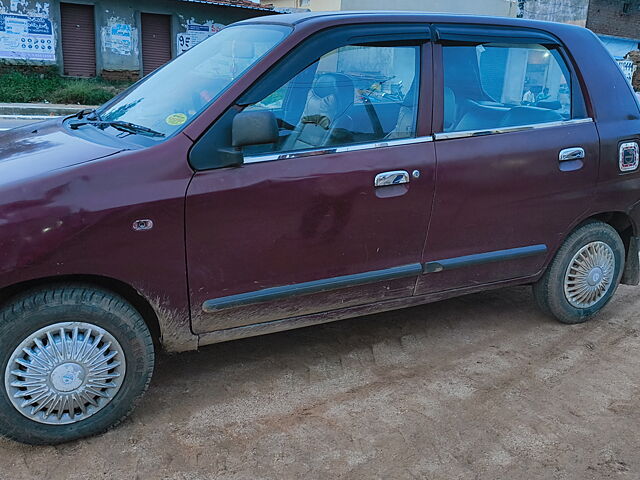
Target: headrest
339	86
450	109
330	84
411	98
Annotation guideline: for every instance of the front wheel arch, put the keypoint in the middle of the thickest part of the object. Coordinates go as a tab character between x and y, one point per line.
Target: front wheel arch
126	291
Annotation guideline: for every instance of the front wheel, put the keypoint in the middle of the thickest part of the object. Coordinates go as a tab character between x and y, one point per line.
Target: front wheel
75	361
584	274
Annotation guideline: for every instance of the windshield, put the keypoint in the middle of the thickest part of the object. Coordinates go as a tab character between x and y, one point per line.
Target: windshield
166	101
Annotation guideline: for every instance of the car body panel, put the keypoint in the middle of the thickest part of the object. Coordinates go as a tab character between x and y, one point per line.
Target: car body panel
37	149
292	221
76	221
498	192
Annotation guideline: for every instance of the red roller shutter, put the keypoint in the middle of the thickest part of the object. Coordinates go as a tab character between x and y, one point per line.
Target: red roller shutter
156	41
78	33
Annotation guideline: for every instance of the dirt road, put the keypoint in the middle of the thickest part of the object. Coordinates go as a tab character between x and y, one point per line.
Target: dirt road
480	387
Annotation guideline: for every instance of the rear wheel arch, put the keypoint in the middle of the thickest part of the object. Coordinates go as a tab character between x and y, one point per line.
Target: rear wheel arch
624	224
620	221
626	227
584	273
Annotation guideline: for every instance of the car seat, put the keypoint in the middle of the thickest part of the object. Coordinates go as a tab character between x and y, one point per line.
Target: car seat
325	111
406	124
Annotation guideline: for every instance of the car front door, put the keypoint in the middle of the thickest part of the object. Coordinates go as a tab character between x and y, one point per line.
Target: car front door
335	213
517	157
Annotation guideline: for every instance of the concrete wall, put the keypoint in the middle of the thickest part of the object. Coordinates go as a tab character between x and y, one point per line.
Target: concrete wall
117	23
564	11
607	17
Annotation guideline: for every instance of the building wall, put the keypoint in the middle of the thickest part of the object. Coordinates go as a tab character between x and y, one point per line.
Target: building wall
506	8
117	30
635	58
480	7
564	11
607	17
314	5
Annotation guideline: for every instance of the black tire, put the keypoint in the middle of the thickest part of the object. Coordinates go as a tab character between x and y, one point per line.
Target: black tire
44	307
549	291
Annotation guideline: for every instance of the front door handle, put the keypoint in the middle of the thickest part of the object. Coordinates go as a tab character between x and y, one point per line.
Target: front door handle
395	177
574	153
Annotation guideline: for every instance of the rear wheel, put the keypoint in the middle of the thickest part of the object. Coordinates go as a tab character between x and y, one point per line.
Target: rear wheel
583	275
75	361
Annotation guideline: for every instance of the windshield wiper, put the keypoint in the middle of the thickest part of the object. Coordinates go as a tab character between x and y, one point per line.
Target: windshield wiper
119	125
85	113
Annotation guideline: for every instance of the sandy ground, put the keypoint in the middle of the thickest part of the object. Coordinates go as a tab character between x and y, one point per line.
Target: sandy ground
480	387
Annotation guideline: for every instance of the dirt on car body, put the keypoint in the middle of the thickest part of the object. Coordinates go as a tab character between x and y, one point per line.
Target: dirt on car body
482	386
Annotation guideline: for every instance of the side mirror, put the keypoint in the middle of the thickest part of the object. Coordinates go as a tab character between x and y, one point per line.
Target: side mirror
221	146
254	128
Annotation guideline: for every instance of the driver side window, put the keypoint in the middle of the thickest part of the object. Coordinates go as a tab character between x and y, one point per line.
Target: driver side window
351	95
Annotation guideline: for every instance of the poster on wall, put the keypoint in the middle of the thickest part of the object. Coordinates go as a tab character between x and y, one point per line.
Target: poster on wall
118	39
628	68
23	37
195	34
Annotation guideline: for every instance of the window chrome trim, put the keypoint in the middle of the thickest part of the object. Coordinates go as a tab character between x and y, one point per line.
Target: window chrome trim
342	149
408	141
520	128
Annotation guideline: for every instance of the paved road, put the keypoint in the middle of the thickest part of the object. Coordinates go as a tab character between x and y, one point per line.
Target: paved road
8	124
479	387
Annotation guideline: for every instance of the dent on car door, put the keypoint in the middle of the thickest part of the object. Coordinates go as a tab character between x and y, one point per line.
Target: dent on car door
334	212
517	157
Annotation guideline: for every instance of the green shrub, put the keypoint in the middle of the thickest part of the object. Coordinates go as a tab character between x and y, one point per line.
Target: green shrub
18	87
84	92
23	88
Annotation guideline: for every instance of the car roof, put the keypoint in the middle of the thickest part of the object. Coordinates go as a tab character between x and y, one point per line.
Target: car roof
332	18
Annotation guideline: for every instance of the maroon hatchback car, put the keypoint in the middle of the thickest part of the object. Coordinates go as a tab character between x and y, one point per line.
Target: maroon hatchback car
299	169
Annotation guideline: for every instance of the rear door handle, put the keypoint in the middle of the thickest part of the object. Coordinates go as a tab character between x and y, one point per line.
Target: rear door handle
573	153
395	177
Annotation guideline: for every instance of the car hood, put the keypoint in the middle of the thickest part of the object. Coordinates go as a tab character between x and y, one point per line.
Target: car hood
36	149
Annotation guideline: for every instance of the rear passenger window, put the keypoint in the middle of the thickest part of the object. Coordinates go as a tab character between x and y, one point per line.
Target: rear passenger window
354	94
491	86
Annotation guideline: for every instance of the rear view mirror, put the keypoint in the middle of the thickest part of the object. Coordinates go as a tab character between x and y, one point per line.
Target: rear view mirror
254	128
221	146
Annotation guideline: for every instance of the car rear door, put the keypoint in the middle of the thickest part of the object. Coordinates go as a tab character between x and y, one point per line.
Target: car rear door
335	213
517	156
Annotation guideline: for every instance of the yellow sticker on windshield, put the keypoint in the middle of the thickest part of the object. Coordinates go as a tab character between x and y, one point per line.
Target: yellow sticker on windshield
176	119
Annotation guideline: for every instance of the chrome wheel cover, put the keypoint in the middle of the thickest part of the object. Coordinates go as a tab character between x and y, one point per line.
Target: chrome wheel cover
589	275
65	373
